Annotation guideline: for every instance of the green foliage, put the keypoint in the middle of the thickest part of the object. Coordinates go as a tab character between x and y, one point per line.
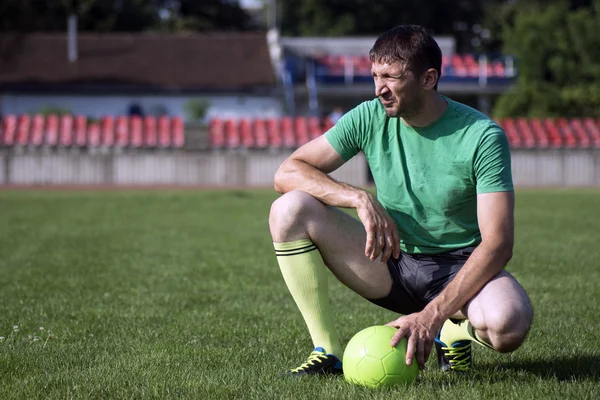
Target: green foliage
123	15
196	109
558	52
177	295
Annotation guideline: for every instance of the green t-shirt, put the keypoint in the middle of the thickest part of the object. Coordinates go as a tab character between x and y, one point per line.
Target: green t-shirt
428	178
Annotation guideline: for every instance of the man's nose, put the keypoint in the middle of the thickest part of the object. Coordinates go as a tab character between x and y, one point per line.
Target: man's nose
380	88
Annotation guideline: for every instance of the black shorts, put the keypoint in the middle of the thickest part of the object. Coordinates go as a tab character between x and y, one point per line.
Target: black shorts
419	278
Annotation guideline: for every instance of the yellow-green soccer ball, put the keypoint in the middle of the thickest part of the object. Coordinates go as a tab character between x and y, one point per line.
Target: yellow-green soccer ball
369	360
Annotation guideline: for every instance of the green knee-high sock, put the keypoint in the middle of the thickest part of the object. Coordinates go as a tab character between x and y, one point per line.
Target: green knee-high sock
305	275
454	330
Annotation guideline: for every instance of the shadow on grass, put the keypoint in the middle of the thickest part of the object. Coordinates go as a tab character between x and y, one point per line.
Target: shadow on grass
562	368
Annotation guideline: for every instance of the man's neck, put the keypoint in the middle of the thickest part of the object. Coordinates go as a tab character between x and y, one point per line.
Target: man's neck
433	108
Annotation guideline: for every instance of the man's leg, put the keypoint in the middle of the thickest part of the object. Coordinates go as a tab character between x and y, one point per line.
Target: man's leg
500	313
309	237
499	317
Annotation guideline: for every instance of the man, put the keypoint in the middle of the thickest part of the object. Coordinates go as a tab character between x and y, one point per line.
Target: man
434	242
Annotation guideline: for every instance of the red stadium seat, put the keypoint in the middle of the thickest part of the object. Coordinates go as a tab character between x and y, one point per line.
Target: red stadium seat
150	135
554	135
525	133
247	139
540	134
107	127
260	133
567	133
287	132
177	132
216	133
37	130
327	124
593	130
51	131
23	127
274	133
66	130
9	130
510	128
122	131
164	131
232	134
136	130
301	128
94	134
314	127
580	133
80	130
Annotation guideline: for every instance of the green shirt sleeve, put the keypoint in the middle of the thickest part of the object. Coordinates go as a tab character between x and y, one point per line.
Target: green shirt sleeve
492	164
348	135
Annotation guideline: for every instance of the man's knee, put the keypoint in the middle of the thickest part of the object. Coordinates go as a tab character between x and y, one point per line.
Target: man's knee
290	215
507	329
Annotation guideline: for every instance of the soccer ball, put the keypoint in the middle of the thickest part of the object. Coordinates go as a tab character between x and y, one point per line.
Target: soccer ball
369	360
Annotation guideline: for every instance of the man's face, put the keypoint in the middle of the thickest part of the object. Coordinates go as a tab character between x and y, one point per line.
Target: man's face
398	89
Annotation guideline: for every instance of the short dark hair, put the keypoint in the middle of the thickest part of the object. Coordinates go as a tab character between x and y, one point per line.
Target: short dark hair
410	44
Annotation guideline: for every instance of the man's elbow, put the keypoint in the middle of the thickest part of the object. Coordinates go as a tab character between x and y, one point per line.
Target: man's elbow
504	251
279	180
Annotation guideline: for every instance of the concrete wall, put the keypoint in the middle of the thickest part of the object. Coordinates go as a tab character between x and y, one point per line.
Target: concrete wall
253	168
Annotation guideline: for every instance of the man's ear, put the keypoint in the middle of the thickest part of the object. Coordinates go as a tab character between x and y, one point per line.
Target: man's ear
430	79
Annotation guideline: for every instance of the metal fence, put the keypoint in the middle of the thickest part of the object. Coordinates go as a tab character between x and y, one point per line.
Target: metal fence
560	167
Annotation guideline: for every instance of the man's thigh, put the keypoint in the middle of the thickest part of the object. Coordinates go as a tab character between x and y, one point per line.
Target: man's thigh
341	239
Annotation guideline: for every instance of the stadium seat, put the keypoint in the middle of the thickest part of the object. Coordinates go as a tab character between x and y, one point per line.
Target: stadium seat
327	124
164	131
232	134
51	130
216	133
512	134
177	133
246	137
9	130
150	135
525	132
66	130
37	130
136	138
122	131
301	128
23	126
107	127
556	140
287	132
314	127
260	133
539	133
80	130
593	130
274	133
570	141
583	139
94	134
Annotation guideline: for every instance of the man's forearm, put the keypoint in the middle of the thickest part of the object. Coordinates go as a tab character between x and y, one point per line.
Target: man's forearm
298	175
484	264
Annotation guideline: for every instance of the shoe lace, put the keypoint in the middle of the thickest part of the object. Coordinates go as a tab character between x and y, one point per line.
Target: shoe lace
315	357
458	357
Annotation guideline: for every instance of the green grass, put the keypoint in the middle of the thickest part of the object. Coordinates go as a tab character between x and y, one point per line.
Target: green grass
178	295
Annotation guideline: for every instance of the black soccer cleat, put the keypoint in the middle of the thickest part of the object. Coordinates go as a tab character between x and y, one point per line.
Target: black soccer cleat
318	363
456	357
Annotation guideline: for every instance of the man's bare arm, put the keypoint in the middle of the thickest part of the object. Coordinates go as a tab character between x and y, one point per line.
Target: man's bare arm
495	213
307	170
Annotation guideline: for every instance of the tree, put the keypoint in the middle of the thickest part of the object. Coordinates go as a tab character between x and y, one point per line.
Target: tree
123	15
558	52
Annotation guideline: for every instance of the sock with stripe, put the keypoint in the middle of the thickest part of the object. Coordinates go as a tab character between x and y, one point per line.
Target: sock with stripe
306	275
455	330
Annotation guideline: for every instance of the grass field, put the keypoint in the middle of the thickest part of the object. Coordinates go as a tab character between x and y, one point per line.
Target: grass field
177	294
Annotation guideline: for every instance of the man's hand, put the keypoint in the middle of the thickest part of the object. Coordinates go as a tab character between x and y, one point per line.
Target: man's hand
420	329
382	235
